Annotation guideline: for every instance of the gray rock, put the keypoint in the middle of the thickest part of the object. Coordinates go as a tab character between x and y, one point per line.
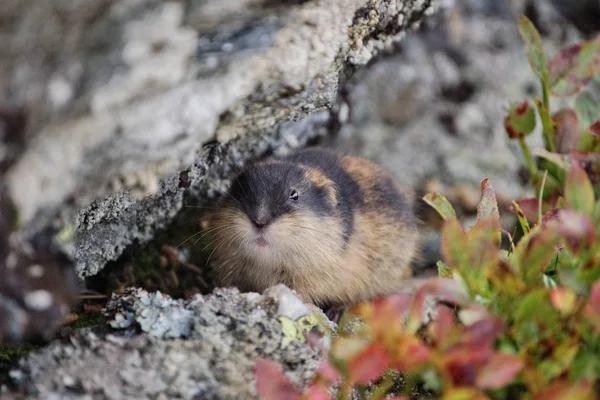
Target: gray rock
142	84
212	357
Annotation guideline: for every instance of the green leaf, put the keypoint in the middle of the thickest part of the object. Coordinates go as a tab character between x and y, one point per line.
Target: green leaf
440	204
589	142
463	393
590	162
587	108
579	192
547	124
533	46
534	252
554	158
444	271
520	120
573	67
522	218
454	244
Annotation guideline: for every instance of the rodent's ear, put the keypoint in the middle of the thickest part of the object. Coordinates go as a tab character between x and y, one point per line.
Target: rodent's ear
321	181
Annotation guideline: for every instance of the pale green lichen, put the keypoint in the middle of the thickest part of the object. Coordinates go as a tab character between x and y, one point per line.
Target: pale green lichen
296	330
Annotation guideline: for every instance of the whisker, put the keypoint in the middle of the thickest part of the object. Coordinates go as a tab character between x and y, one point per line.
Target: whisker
182	243
222	244
220	228
197	233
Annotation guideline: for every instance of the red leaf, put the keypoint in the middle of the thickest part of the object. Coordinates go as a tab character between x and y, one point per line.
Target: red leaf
573	67
551	215
369	364
568	131
382	315
595	297
329	373
401	301
590	162
483	332
464	360
271	382
499	371
530	207
411	353
316	392
577	228
520	120
443	289
595	129
488	205
442	327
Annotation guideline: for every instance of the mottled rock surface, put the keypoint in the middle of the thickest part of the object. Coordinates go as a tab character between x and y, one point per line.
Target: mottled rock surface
126	92
113	112
208	350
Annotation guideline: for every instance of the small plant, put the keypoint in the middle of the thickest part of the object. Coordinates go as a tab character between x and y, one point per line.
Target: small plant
496	324
569	133
520	322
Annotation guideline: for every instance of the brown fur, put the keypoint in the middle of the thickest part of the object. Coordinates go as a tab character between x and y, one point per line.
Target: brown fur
315	260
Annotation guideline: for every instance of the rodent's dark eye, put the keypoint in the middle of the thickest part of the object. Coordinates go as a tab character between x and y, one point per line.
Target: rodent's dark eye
294	195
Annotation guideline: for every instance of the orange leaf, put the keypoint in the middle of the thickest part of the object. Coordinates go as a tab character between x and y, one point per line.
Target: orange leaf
411	353
561	390
563	299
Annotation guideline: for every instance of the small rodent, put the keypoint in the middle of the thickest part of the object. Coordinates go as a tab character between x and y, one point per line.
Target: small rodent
337	229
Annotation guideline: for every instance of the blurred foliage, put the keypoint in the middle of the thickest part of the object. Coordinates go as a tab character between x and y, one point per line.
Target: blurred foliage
522	322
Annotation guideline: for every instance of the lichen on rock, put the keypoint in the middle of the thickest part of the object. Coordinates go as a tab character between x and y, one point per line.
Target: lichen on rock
204	347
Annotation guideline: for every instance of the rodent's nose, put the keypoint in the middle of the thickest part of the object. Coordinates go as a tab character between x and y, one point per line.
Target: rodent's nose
260	223
261	217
